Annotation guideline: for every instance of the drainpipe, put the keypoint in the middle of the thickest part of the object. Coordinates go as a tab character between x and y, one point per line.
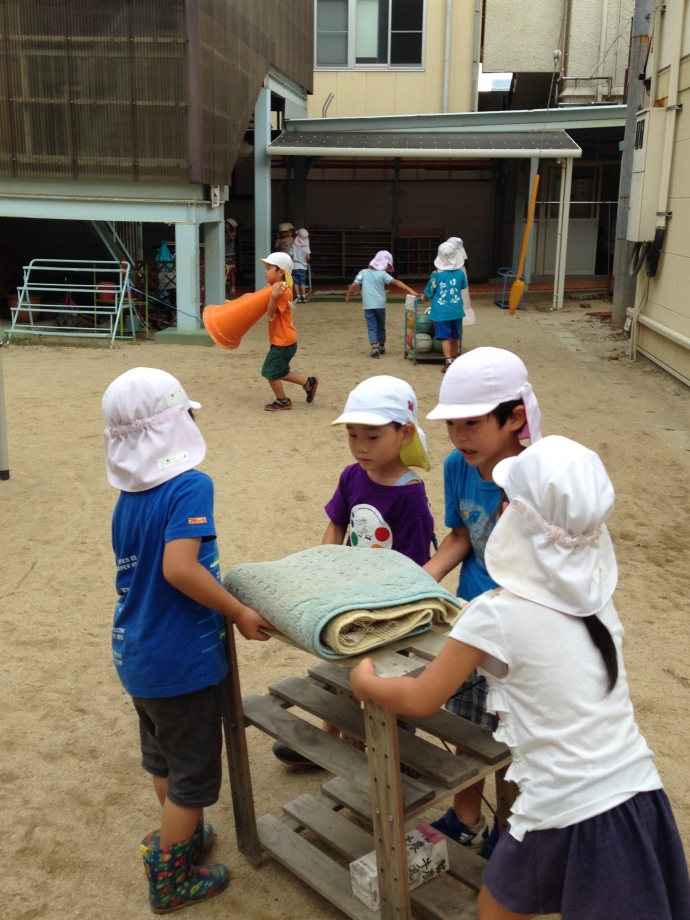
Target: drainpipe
662	213
446	60
474	102
624	288
654	50
602	47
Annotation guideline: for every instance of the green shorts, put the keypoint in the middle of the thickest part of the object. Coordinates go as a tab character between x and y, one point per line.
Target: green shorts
277	363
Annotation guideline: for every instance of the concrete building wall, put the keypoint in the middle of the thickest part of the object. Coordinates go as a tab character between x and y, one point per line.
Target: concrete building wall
521	36
373	91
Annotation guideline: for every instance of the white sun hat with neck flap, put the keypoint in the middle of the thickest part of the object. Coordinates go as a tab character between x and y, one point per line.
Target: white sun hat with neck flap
384	399
150	437
551	544
482	379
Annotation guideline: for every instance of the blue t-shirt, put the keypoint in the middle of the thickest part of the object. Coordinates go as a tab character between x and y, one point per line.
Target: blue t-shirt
471	502
164	643
373	288
444	290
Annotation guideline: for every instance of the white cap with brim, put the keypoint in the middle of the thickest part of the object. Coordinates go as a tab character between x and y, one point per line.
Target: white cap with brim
384	399
150	437
479	381
283	261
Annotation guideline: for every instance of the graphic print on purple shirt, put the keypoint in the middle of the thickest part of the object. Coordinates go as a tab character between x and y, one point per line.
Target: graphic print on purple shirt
383	517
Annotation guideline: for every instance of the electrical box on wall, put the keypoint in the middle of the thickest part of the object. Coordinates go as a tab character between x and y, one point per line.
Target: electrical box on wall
646	174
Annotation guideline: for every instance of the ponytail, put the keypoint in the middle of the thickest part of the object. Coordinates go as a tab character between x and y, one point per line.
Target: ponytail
603	640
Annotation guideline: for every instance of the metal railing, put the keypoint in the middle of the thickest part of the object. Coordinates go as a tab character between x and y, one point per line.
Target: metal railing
75	297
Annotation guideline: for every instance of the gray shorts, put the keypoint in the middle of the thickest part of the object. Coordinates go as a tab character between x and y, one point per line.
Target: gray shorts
182	739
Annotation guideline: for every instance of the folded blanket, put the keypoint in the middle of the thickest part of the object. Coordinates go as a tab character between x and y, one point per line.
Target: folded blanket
337	601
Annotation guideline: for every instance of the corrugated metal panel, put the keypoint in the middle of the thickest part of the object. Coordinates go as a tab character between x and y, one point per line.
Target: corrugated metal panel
239	42
425	141
93	90
99	90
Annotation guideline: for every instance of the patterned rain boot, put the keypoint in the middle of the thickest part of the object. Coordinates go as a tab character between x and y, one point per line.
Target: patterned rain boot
203	841
174	882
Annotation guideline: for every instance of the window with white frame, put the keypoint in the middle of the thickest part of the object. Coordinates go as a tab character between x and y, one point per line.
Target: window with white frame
369	34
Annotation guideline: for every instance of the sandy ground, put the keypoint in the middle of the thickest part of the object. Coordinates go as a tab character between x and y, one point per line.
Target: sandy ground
74	802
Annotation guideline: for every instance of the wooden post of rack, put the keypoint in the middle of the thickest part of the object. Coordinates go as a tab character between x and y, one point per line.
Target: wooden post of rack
238	758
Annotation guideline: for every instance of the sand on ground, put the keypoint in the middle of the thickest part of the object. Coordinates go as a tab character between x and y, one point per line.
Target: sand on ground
73	798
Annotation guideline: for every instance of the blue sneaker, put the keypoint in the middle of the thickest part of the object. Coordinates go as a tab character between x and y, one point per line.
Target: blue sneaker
488	850
451	826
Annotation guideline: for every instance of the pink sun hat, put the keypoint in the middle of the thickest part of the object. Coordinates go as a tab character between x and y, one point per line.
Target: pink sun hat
150	437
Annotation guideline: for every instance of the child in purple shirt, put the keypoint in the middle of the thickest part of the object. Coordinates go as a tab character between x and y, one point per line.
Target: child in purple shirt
379	498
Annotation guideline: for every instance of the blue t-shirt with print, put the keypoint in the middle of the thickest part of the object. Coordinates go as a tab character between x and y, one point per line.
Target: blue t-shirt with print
164	643
471	502
373	285
444	290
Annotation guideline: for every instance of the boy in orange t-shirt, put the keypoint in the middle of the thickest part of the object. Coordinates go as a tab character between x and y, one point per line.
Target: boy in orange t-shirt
282	335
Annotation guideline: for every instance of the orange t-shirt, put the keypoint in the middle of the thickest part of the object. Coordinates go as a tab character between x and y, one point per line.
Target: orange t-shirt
280	328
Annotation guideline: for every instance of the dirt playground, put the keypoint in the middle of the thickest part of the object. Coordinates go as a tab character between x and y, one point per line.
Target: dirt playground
74	802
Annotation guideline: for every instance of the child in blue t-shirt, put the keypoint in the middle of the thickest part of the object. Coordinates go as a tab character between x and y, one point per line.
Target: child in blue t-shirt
169	627
373	283
489	407
444	290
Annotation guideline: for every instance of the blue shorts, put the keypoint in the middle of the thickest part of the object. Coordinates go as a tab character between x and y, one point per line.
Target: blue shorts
449	329
299	276
624	864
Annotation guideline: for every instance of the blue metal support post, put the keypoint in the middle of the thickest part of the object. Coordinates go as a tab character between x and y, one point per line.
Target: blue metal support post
214	262
262	183
187	276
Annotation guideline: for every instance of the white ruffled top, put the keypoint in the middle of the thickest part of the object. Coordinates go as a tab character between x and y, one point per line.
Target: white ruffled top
576	751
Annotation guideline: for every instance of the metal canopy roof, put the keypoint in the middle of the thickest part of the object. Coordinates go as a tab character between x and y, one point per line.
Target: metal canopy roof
448	144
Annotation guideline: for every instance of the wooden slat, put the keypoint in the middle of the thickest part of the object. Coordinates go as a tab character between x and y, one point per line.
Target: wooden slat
346	838
465	865
387	812
435	898
358	801
442	724
312	866
335	675
265	713
426	758
428	647
439	901
352	842
322	799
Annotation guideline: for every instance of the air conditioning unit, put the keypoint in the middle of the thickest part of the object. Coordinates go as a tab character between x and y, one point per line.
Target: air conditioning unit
646	174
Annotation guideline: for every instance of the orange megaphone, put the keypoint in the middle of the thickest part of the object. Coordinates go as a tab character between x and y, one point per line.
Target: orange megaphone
226	323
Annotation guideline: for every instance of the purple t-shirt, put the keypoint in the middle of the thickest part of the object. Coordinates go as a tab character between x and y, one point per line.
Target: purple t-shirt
383	517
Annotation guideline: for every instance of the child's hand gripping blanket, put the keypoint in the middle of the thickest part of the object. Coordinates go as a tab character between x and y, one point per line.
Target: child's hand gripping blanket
337	601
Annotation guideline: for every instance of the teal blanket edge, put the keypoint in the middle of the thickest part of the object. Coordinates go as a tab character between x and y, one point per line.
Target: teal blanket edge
301	593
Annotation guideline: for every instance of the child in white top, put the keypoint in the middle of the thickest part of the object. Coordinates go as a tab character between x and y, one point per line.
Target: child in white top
301	256
592	835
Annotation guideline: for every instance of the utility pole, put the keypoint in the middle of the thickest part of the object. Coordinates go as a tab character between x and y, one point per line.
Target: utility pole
624	284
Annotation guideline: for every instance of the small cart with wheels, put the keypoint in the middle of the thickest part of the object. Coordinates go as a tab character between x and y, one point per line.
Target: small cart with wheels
418	322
